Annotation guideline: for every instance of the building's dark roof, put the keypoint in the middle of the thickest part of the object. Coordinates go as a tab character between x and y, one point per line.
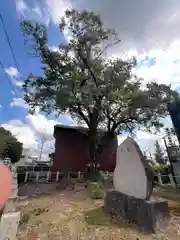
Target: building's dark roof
83	130
60	126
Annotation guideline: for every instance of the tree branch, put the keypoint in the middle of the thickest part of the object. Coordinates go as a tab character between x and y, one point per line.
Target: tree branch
89	69
108	46
82	115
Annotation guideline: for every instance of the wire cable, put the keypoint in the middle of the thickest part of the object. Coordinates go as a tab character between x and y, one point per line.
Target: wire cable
9	43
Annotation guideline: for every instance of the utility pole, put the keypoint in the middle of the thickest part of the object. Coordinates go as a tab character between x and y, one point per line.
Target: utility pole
169	157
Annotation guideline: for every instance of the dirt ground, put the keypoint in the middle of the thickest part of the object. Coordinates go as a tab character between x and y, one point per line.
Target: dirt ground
71	215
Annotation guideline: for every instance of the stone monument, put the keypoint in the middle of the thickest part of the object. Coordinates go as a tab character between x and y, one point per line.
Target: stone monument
133	185
10	218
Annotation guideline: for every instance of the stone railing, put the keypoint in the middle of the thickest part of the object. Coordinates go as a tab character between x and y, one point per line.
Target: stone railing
46	176
166	179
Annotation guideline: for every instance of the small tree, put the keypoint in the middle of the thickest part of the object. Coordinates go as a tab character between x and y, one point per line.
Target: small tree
159	155
9	146
169	134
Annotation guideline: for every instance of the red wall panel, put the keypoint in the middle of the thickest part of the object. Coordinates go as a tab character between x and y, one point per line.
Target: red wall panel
71	152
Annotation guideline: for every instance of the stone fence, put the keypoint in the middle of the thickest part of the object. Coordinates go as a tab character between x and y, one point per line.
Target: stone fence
48	176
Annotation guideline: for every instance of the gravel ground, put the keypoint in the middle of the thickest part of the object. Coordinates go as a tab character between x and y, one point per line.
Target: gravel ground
71	215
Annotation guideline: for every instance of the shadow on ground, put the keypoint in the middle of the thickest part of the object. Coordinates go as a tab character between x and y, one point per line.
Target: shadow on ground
98	217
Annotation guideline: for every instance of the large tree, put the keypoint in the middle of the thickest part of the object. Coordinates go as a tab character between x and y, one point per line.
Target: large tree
9	146
79	80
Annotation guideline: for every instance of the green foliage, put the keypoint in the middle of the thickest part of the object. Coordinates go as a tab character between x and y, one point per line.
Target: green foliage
9	146
106	179
80	81
96	190
160	167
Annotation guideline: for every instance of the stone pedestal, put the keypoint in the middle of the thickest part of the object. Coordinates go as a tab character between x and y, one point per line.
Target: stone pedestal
147	215
9	226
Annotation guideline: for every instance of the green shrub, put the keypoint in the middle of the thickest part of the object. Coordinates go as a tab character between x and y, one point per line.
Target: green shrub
106	178
96	190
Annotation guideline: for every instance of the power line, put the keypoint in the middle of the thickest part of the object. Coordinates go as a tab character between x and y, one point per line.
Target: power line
9	43
13	55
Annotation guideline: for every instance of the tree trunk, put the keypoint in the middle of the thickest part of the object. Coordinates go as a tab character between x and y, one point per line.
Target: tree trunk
92	152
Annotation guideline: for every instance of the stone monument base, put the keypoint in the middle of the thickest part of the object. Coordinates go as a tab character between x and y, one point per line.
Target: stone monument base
149	216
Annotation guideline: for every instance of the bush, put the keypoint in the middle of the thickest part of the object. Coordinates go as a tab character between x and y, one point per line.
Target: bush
164	171
96	190
106	178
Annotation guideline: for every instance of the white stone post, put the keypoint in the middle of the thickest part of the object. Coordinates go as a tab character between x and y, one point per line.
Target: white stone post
172	180
37	176
160	179
57	176
79	175
26	177
48	175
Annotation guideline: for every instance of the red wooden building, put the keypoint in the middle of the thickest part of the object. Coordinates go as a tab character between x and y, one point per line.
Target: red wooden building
71	150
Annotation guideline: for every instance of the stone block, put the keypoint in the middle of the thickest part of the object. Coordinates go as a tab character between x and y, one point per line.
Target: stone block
10	206
14	193
9	226
149	215
79	187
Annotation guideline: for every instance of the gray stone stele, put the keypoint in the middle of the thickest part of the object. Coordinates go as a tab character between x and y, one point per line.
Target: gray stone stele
148	170
148	215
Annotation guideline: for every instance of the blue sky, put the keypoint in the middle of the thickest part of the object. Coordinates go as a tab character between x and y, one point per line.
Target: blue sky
27	63
156	62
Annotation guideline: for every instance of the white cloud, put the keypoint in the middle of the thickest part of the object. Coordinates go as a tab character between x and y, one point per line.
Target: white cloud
35	12
31	132
49	11
18	102
1	106
53	48
21	6
23	133
41	125
12	71
19	83
166	69
57	9
15	75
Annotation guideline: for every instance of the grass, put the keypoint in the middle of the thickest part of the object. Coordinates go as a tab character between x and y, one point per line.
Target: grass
172	195
75	216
